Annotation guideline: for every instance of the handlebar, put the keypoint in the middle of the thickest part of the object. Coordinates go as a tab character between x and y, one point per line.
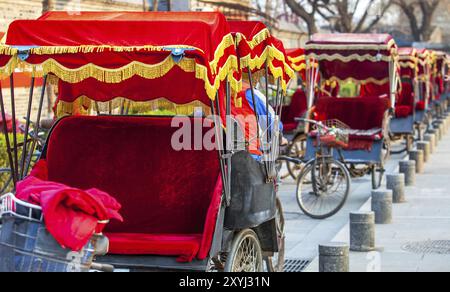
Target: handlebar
317	123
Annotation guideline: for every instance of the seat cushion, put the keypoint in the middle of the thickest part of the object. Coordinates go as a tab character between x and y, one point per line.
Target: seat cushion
185	246
403	111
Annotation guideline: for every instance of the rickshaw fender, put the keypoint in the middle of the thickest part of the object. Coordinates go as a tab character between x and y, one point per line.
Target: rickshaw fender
252	198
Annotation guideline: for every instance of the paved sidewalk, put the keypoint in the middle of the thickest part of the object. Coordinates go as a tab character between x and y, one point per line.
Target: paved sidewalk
424	218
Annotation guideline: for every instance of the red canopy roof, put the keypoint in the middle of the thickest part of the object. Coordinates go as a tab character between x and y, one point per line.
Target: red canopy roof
297	59
256	46
362	58
409	62
112	47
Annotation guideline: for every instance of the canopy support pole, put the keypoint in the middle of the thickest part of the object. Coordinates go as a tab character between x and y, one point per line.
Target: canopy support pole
38	123
27	129
14	129
229	136
5	132
258	135
219	141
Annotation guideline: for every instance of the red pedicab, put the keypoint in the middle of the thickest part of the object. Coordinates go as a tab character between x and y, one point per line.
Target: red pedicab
439	83
257	107
297	107
349	131
423	110
404	123
188	207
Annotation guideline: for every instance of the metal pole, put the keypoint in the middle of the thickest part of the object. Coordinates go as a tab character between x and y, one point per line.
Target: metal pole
27	129
14	129
38	122
5	132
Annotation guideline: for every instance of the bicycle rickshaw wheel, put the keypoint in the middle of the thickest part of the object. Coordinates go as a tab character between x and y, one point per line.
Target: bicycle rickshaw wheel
378	169
296	150
275	263
314	189
245	254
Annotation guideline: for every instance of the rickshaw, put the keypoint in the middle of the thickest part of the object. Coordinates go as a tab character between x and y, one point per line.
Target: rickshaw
423	111
294	131
439	83
256	109
403	124
348	131
184	206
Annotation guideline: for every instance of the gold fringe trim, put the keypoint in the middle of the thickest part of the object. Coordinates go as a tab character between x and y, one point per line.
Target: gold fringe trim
84	105
9	68
298	68
297	59
353	57
86	49
256	40
351	47
51	66
7	50
362	82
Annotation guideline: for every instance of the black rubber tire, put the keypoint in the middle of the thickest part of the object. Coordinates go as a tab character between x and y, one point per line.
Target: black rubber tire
308	168
238	241
279	265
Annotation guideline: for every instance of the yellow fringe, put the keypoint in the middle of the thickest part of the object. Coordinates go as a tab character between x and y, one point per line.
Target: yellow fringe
297	59
9	68
84	105
350	47
256	40
346	59
51	66
362	82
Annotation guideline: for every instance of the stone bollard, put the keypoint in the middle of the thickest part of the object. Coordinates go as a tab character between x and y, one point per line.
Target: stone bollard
442	129
435	133
417	156
396	183
334	258
431	138
362	231
438	133
408	169
382	206
425	147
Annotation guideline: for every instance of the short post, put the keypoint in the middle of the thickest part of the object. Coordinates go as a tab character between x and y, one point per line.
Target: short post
435	133
408	169
431	138
382	206
334	258
417	156
438	132
396	183
362	231
425	147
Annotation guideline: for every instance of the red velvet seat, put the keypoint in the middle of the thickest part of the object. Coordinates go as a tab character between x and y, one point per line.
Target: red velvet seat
405	103
364	115
296	109
170	198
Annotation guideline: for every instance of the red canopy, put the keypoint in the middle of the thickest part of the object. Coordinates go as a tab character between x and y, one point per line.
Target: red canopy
256	46
297	61
408	60
117	47
363	58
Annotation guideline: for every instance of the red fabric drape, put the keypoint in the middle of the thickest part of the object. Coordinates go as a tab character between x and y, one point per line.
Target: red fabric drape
71	215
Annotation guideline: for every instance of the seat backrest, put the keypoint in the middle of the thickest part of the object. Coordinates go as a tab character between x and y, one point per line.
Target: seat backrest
406	97
161	190
359	113
298	105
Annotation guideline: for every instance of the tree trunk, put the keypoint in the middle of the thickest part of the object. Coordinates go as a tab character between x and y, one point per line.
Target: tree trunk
300	11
